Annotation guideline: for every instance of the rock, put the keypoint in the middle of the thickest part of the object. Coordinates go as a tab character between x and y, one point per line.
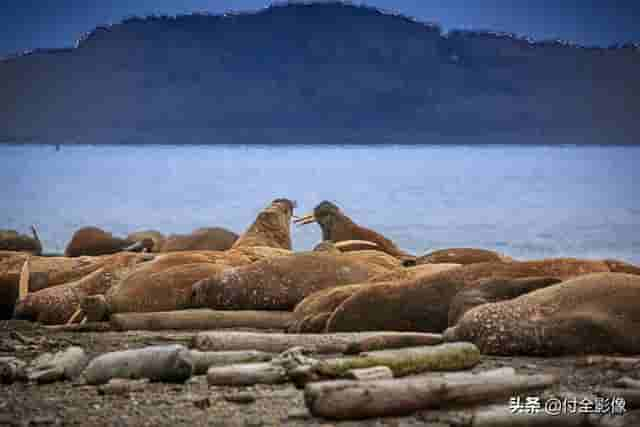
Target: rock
64	365
240	397
121	386
12	369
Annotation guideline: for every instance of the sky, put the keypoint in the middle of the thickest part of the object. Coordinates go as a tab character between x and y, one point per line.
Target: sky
29	24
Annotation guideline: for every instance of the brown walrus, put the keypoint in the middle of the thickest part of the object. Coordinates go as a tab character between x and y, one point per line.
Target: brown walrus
43	272
461	256
209	239
595	313
11	240
312	313
337	227
271	228
423	304
165	283
93	241
55	305
280	283
156	237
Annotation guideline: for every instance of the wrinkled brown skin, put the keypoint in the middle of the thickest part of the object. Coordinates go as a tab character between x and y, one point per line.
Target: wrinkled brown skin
156	237
165	283
596	313
413	272
622	267
311	315
55	305
494	290
462	256
271	228
338	227
44	272
211	239
11	240
422	304
280	283
92	241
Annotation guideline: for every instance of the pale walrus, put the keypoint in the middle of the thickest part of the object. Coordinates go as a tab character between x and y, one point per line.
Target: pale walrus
337	227
280	283
595	313
207	239
271	228
461	256
423	304
56	304
93	241
11	240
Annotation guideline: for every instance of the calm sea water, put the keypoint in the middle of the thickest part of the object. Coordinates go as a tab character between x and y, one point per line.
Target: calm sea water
525	201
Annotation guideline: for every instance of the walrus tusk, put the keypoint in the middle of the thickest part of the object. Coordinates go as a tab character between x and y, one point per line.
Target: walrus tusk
347	243
306	219
23	287
135	247
75	316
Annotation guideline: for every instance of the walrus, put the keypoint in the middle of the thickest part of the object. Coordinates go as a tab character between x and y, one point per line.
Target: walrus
155	236
312	313
55	305
422	304
94	241
11	240
164	284
461	256
212	239
43	272
494	290
271	228
337	227
594	313
280	283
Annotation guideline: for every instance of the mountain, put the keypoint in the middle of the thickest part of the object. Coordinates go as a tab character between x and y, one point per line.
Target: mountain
317	73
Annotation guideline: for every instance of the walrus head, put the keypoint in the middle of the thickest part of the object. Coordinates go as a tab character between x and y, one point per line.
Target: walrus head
328	216
271	227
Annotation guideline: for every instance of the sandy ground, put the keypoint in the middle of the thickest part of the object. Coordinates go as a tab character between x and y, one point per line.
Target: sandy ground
196	404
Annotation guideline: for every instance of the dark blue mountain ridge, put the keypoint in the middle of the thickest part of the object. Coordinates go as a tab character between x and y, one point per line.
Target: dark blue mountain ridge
328	72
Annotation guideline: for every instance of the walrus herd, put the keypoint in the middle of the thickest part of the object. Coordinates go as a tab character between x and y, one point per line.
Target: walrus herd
355	280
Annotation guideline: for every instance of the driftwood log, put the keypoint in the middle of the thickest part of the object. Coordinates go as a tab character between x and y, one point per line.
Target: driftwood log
247	374
278	342
362	399
201	319
619	363
502	416
81	327
368	374
171	363
203	360
406	361
627	382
